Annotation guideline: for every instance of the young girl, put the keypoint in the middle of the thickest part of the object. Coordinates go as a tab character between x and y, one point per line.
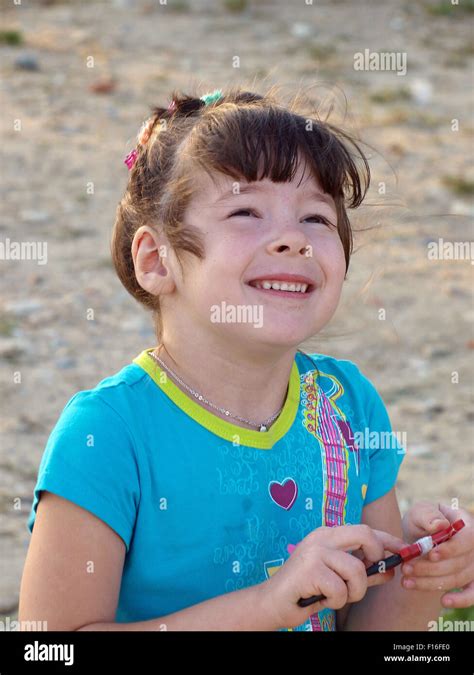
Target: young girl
220	477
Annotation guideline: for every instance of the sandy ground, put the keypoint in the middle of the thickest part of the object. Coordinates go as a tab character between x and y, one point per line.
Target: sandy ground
71	135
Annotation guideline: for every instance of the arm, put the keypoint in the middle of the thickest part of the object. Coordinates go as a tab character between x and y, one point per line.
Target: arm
237	611
73	571
409	610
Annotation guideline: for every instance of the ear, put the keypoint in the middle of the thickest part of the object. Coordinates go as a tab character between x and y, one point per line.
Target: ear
151	260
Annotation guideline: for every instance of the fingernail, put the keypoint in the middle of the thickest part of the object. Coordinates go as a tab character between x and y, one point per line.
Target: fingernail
448	602
409	583
407	569
435	556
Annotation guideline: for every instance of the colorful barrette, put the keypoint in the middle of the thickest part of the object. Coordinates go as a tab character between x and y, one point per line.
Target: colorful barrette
131	158
212	97
142	139
145	132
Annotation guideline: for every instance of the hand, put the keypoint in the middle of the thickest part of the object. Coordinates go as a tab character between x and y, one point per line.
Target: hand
449	565
322	564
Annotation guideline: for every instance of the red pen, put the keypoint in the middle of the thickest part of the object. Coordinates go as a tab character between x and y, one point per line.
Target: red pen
420	547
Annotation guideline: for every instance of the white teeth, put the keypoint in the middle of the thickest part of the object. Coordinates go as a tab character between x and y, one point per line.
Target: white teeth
281	286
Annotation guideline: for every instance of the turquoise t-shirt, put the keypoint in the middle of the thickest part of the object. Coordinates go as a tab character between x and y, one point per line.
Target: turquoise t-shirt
205	507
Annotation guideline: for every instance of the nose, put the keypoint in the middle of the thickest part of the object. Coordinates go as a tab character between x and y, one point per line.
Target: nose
290	242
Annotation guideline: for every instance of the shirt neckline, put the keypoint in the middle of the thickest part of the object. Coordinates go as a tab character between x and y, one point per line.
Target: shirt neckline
263	440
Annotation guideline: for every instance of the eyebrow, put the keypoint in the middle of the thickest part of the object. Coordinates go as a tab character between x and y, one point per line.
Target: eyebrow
246	189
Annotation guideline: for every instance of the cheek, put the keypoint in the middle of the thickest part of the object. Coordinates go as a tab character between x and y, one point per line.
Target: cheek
330	256
227	259
209	282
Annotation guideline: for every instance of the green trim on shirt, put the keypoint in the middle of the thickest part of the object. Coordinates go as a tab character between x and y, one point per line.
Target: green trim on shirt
255	439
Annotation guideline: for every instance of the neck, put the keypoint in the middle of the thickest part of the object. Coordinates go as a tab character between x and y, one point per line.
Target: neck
252	385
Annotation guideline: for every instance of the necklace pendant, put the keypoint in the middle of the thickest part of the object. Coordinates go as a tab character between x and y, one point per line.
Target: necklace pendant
263	428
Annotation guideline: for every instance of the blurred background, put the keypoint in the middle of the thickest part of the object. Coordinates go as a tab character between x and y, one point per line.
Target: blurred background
78	79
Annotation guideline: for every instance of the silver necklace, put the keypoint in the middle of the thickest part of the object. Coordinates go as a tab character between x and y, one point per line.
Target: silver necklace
262	426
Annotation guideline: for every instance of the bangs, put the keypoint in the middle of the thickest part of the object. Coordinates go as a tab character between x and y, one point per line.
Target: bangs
254	142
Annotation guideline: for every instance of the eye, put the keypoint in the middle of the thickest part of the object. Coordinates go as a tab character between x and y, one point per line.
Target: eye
242	211
321	219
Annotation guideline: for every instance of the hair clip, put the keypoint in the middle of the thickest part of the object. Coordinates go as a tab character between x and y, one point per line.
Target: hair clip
145	131
142	139
131	158
212	97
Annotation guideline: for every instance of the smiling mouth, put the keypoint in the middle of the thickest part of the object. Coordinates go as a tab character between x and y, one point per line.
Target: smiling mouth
286	289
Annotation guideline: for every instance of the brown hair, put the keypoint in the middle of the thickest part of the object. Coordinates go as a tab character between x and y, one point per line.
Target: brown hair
243	135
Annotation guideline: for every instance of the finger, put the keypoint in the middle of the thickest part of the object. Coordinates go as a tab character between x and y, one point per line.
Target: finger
446	583
426	568
462	598
427	517
390	543
374	579
351	571
380	578
455	514
359	554
352	537
371	542
330	584
461	544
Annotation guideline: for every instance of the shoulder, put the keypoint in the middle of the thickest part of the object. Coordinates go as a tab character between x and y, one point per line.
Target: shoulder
105	416
108	405
112	396
342	374
324	364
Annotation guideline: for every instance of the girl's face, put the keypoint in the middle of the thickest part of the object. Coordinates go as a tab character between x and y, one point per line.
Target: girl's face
270	232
